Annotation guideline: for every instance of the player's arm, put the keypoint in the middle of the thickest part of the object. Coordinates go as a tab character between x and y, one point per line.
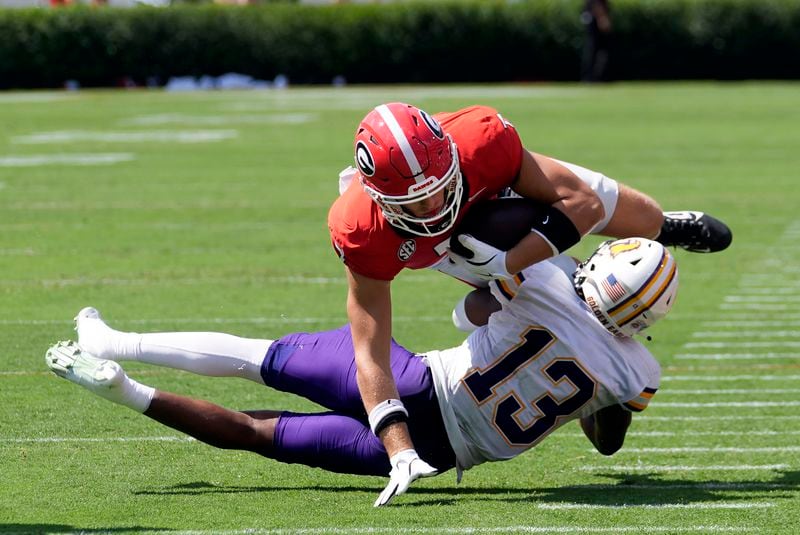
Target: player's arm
571	210
606	428
369	309
577	210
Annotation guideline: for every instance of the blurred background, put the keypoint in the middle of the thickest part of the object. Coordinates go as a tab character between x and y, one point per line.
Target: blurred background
258	43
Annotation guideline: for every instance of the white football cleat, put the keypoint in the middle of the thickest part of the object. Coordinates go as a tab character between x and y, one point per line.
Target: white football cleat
87	312
94	336
102	377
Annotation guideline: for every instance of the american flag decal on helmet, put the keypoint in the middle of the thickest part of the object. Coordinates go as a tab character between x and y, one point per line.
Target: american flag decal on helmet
613	288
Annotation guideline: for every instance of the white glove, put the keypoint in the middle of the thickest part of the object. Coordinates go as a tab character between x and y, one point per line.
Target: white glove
407	467
487	262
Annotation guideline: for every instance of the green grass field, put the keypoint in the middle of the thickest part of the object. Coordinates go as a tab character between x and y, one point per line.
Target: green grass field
207	211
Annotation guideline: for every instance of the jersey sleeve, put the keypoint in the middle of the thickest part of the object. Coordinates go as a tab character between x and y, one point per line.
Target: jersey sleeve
640	402
358	236
648	373
497	152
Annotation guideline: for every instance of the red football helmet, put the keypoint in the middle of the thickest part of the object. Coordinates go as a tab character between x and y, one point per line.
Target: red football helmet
403	156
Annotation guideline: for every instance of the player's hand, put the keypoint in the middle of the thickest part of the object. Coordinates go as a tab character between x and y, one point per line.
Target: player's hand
486	262
407	467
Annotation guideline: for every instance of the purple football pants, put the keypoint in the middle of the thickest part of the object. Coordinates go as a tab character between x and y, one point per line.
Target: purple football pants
321	367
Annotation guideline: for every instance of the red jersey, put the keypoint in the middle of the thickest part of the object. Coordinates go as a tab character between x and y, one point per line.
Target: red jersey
490	156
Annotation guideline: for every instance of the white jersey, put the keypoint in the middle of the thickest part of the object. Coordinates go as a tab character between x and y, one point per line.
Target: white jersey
542	361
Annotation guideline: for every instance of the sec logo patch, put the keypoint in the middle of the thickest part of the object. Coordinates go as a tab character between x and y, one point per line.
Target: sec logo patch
406	250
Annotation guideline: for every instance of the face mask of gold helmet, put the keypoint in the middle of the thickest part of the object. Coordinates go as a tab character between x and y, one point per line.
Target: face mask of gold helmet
629	284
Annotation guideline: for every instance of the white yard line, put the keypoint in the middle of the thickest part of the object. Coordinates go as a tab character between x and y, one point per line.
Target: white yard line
36	160
466	530
682	486
751	323
138	136
793	308
221	120
736	356
719	449
640	434
783	298
781	343
717	505
737	417
729	391
750	366
43	97
747	334
683	468
745	317
712	404
268	320
184	281
56	440
692	433
761	289
723	378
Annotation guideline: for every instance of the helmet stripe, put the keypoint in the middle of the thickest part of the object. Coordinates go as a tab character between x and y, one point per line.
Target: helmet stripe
650	292
655	298
625	303
402	141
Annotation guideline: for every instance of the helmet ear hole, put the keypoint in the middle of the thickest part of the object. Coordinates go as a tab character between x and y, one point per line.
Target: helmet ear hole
635	262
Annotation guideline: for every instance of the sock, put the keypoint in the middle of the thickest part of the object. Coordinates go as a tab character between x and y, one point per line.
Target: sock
136	396
203	353
109	381
103	342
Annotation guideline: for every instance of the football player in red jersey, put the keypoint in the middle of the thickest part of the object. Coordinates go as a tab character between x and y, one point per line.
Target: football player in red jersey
416	176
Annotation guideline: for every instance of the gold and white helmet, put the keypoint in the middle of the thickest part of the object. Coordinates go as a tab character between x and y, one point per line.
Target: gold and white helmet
629	284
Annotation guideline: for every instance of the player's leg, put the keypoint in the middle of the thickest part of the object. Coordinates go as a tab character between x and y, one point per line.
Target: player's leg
200	419
606	428
215	425
635	214
321	367
335	442
632	213
203	353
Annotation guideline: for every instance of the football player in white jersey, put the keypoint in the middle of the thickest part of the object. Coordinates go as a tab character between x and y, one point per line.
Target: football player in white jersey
559	349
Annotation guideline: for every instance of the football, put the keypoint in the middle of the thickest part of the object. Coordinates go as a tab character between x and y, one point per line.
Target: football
501	223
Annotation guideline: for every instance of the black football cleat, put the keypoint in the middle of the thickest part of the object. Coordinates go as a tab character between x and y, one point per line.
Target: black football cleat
694	231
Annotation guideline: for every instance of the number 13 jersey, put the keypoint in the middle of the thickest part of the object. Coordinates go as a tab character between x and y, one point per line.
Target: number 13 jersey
542	361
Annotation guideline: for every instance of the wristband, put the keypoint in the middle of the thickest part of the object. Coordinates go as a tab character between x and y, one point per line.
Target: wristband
557	229
385	413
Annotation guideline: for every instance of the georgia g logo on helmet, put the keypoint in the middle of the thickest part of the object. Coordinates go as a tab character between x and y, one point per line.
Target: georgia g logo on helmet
433	124
364	159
